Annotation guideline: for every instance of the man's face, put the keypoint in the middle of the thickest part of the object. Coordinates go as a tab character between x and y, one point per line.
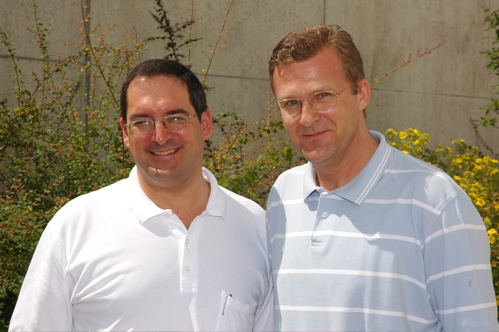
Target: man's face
327	138
164	158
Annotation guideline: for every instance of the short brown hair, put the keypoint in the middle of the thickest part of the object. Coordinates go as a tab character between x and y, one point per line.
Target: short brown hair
168	68
305	43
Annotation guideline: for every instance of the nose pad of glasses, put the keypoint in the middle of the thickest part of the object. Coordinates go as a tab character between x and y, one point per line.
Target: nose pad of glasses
308	114
160	132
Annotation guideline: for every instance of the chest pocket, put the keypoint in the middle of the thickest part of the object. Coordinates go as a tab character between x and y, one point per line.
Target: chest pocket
234	315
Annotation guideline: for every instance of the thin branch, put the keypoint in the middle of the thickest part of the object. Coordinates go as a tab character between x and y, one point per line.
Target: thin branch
94	56
189	59
217	47
411	59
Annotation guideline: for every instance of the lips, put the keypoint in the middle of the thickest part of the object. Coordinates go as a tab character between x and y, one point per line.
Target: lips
313	136
164	153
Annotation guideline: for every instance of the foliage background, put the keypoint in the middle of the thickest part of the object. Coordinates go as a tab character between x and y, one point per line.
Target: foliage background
59	141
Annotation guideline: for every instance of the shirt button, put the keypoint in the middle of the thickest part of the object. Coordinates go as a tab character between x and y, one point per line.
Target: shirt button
187	241
187	268
166	216
325	215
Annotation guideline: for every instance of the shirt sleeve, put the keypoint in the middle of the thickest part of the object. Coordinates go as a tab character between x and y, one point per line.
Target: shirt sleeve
264	317
458	272
43	303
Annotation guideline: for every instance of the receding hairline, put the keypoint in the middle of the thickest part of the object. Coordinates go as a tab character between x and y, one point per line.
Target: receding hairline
289	61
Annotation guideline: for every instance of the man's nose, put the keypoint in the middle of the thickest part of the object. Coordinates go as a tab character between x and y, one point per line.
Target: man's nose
160	134
308	114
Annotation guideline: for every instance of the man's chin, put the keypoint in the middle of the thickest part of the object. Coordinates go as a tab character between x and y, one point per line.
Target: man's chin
158	172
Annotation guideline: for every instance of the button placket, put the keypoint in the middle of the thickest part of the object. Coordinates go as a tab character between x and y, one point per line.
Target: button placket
321	216
189	267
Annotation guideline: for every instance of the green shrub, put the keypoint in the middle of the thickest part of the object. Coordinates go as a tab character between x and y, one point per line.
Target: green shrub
489	119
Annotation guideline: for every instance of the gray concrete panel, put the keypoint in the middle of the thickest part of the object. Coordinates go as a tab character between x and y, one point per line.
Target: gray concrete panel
435	94
58	18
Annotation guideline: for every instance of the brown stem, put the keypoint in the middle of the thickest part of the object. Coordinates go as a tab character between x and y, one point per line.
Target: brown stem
411	59
216	48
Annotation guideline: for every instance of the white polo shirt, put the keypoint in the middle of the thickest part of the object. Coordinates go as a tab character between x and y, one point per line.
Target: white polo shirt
113	260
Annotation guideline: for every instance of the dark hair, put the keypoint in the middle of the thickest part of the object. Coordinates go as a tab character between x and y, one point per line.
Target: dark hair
305	43
164	67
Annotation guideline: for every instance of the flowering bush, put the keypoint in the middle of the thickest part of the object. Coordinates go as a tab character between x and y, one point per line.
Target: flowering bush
476	174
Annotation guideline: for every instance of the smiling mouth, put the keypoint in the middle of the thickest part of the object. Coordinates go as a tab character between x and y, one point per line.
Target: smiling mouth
165	152
313	135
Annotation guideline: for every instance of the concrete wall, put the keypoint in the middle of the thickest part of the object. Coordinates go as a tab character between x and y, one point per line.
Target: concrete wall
436	94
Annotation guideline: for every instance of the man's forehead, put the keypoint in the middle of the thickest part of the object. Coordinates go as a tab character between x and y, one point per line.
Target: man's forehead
142	79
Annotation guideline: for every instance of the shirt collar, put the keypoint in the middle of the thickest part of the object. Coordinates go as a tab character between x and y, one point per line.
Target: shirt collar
359	188
143	208
140	205
216	202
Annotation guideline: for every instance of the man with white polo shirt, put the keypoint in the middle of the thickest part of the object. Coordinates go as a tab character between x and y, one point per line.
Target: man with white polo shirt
364	237
166	249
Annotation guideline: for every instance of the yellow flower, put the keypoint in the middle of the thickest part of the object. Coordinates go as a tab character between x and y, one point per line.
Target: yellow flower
457	178
496	207
492	235
402	134
416	132
480	202
458	160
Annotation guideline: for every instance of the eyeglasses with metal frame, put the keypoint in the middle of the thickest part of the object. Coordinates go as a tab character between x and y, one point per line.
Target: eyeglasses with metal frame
319	101
171	122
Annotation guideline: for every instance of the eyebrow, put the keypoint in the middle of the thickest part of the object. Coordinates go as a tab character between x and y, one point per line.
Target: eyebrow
170	112
313	93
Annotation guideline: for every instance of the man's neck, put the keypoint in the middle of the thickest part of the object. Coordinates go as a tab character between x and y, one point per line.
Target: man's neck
187	200
331	177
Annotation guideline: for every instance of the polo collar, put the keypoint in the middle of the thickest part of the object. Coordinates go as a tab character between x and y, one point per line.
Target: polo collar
143	208
216	203
357	190
140	205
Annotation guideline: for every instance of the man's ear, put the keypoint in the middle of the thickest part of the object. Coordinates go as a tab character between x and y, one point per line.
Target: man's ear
206	123
364	94
125	133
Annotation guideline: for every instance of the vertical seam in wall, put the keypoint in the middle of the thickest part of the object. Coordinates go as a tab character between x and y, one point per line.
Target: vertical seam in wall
87	60
324	13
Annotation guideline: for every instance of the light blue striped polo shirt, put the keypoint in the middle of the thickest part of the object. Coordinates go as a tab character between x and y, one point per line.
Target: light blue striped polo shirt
399	248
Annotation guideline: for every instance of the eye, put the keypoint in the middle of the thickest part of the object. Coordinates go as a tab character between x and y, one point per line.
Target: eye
324	94
291	103
175	118
142	123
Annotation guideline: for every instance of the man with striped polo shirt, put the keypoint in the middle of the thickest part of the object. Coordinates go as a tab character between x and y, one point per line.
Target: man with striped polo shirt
363	236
